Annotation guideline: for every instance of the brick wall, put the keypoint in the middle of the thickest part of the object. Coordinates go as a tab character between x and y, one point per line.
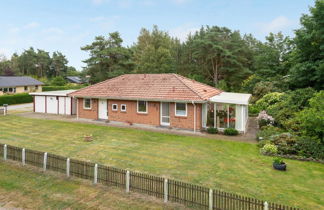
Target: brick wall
152	117
188	121
88	113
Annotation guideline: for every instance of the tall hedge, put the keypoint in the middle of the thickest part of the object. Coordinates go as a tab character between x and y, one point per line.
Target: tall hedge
52	88
16	99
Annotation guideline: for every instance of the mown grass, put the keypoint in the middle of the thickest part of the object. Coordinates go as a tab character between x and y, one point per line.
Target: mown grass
231	166
31	189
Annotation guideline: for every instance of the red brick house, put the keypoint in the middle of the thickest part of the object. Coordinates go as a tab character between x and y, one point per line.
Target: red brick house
162	100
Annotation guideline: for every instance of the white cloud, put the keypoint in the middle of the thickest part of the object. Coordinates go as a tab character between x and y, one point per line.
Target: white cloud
97	2
31	25
53	30
147	3
14	30
97	19
180	2
105	22
125	3
183	31
278	24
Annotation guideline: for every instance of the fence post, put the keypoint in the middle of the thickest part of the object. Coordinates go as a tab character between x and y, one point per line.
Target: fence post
45	161
68	167
23	156
5	152
95	176
5	110
210	199
166	190
127	181
266	206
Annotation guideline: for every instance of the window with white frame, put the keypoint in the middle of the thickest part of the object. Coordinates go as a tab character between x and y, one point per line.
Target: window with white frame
142	106
181	109
87	103
123	107
114	107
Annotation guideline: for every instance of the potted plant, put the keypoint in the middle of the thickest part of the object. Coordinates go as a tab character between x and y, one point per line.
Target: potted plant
279	164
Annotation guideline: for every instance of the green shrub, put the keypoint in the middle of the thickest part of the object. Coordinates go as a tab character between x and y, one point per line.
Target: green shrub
58	81
286	143
267	132
253	110
16	99
268	100
212	130
269	149
290	103
67	87
261	143
310	147
278	160
231	132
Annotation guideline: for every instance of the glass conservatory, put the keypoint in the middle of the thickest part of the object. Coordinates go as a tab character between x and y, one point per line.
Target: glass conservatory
226	110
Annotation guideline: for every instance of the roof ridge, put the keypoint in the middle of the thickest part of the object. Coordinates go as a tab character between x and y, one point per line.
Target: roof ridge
177	76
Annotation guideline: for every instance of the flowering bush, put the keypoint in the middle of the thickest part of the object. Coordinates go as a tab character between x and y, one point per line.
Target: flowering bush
269	149
264	119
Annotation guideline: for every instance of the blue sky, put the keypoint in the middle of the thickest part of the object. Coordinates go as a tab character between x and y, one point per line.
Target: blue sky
66	25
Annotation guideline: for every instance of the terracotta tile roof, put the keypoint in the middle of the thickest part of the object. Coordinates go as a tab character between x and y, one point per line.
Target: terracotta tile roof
167	87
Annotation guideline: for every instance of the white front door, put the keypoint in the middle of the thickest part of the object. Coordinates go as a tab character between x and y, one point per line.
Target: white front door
103	111
165	113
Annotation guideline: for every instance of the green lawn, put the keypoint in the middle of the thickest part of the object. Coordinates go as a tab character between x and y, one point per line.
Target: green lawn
29	189
231	166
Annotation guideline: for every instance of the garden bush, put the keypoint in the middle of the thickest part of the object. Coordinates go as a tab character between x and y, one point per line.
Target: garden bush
269	149
268	100
291	102
264	119
286	143
253	110
310	147
67	87
231	132
212	130
263	142
58	81
16	99
266	132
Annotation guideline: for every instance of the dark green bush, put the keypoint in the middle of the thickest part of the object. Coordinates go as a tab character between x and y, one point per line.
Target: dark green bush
212	130
286	143
58	81
253	110
16	99
231	132
267	132
68	87
310	147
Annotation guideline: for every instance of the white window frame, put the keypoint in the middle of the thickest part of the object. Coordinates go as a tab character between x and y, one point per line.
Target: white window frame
121	107
112	107
84	103
175	110
146	111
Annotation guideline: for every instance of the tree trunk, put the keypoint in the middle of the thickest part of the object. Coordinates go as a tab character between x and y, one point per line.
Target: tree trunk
215	72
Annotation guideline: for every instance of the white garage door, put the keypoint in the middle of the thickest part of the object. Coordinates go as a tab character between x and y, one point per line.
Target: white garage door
62	105
52	104
40	104
68	105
